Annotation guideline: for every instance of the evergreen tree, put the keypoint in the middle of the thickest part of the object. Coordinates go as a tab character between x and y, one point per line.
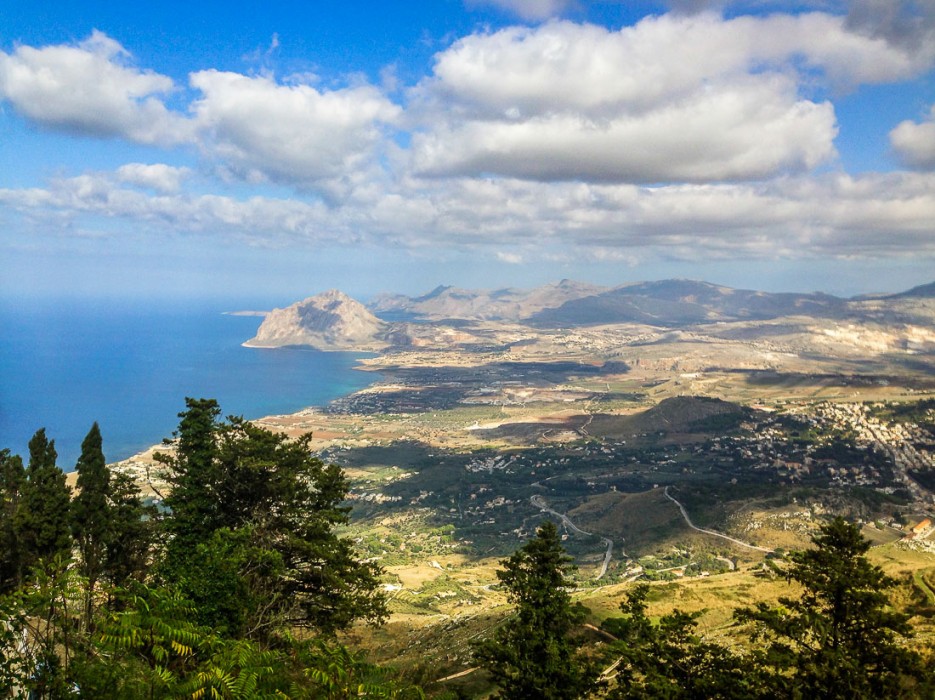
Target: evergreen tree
837	639
131	533
12	483
264	510
192	474
42	520
667	659
91	517
531	655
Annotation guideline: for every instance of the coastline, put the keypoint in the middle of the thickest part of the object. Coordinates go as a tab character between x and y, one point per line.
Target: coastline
143	466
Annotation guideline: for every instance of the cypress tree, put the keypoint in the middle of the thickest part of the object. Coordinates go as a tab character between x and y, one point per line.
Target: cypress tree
128	545
531	655
42	520
91	517
12	482
192	472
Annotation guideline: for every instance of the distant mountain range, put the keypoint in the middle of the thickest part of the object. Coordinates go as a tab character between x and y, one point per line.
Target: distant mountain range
444	303
665	303
334	321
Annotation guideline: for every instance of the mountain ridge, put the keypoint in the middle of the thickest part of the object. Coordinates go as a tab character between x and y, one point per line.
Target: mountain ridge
334	321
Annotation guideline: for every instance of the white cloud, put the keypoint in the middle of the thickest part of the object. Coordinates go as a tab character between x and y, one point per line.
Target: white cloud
158	177
915	142
829	216
671	98
531	10
509	258
289	133
751	130
91	89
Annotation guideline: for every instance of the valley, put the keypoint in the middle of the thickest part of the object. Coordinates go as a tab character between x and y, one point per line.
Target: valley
691	452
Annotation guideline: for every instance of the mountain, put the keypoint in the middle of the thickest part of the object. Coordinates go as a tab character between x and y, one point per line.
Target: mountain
447	316
568	303
482	305
678	414
923	291
684	302
327	321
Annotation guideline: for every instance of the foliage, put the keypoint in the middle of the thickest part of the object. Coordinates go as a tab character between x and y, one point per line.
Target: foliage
160	652
15	666
254	500
837	638
667	659
532	655
130	537
41	520
40	621
12	484
249	553
192	474
90	516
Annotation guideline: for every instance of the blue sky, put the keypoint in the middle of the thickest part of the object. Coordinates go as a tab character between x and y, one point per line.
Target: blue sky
273	150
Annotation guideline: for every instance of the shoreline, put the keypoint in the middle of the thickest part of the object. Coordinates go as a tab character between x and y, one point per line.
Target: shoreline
143	459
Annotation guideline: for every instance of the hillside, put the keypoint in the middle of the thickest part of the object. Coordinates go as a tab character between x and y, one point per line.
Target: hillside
497	305
685	302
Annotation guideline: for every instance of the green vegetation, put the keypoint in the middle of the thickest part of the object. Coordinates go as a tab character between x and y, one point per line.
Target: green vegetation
531	655
837	638
234	589
250	579
667	658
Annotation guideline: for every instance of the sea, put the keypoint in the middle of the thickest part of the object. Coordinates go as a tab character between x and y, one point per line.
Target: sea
65	364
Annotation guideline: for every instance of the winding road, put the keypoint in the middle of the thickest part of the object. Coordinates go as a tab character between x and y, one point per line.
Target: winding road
606	541
690	524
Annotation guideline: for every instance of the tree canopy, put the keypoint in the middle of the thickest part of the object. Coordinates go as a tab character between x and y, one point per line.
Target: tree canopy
837	637
264	510
532	655
247	552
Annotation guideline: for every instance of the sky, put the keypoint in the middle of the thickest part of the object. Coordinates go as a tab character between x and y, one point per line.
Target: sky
274	150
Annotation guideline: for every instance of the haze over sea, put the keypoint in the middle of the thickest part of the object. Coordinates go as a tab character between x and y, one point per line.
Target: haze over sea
65	364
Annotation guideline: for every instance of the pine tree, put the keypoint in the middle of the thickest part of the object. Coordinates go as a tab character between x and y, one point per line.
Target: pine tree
837	639
667	659
129	542
264	509
531	655
192	474
42	521
12	483
91	517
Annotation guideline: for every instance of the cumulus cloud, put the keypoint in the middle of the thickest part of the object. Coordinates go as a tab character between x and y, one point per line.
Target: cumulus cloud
252	126
670	98
752	130
906	23
289	133
158	177
915	142
93	89
530	10
252	220
828	216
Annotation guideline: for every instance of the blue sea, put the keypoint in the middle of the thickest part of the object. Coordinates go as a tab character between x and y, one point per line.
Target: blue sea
129	366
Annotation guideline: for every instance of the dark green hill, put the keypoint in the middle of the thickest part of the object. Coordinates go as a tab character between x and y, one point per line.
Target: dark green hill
679	414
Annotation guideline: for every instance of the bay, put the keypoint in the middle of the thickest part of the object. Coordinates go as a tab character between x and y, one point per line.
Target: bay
65	364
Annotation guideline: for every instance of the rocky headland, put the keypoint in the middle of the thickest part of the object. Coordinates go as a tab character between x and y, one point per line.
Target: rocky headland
327	321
